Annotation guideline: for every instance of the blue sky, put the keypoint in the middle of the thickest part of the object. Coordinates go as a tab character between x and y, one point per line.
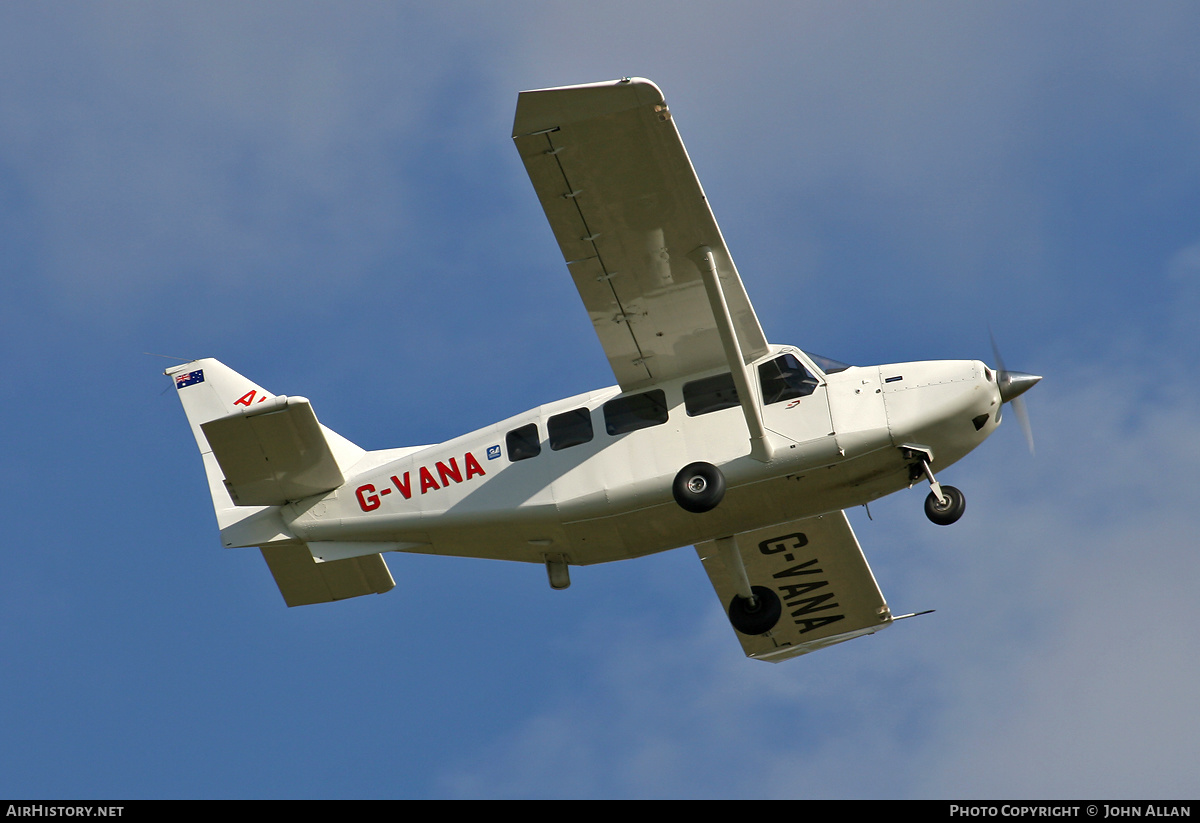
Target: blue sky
326	198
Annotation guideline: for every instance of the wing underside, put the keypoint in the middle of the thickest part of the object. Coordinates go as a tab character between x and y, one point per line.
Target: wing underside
627	210
818	570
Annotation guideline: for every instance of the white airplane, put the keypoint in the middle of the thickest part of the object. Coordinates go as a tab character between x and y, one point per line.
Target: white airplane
713	437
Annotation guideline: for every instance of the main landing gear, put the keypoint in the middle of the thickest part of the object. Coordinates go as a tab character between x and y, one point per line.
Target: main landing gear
757	614
945	504
754	609
699	487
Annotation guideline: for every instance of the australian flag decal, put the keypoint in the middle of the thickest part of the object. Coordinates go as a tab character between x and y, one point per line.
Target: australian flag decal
189	379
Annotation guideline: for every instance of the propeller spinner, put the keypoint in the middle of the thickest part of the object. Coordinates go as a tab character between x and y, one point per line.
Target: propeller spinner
1012	385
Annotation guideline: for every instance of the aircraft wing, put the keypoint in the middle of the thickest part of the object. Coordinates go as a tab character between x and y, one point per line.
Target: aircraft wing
817	568
627	209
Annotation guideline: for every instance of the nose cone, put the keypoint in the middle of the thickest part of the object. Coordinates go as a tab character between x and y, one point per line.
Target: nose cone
1013	384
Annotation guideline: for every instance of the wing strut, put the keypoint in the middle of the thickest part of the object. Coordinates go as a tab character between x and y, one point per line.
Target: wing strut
760	447
731	556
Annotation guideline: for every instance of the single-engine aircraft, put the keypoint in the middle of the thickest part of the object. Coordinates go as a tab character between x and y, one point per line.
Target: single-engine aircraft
712	437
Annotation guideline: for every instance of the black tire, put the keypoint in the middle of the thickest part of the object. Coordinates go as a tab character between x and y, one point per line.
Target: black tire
699	487
760	619
948	512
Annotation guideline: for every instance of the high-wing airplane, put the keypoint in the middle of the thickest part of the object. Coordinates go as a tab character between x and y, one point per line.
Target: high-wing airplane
713	437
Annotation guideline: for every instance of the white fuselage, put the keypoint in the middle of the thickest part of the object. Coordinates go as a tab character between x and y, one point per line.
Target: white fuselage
609	498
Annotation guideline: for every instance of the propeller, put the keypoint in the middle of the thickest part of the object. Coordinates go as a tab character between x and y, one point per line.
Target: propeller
1012	385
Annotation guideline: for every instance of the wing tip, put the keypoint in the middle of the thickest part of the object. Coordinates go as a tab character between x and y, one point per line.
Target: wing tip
542	109
600	84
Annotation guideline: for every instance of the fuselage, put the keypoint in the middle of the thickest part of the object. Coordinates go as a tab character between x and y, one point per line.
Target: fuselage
589	477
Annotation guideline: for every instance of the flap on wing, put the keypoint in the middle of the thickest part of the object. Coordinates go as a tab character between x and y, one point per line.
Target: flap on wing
818	570
303	581
274	452
627	209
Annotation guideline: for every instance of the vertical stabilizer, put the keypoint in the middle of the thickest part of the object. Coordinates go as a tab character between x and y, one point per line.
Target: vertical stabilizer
210	390
245	456
260	452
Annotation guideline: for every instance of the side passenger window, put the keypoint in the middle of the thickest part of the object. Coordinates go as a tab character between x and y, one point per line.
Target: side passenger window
523	443
709	394
570	429
637	411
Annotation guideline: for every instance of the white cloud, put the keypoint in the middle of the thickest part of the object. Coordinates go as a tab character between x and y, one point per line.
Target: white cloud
238	148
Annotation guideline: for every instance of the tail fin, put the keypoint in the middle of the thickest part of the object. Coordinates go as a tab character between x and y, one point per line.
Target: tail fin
259	450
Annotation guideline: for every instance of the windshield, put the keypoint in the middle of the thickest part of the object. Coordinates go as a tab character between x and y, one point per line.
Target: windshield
826	364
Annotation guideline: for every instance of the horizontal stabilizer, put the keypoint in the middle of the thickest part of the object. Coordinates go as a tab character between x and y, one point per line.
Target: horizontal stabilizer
303	581
273	452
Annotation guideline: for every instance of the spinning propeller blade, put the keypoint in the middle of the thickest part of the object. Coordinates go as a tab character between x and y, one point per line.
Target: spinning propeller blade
1013	384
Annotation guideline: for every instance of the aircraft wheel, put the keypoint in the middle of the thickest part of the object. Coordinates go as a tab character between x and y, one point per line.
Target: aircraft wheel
699	487
948	512
762	617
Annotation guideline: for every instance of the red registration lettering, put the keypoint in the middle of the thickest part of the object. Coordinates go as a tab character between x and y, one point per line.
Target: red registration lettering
473	467
427	481
448	473
367	499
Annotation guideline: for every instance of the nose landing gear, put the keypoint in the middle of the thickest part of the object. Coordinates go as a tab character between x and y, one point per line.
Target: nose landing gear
948	509
945	504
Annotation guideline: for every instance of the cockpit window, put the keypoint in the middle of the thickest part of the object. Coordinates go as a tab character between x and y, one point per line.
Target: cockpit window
828	364
784	378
